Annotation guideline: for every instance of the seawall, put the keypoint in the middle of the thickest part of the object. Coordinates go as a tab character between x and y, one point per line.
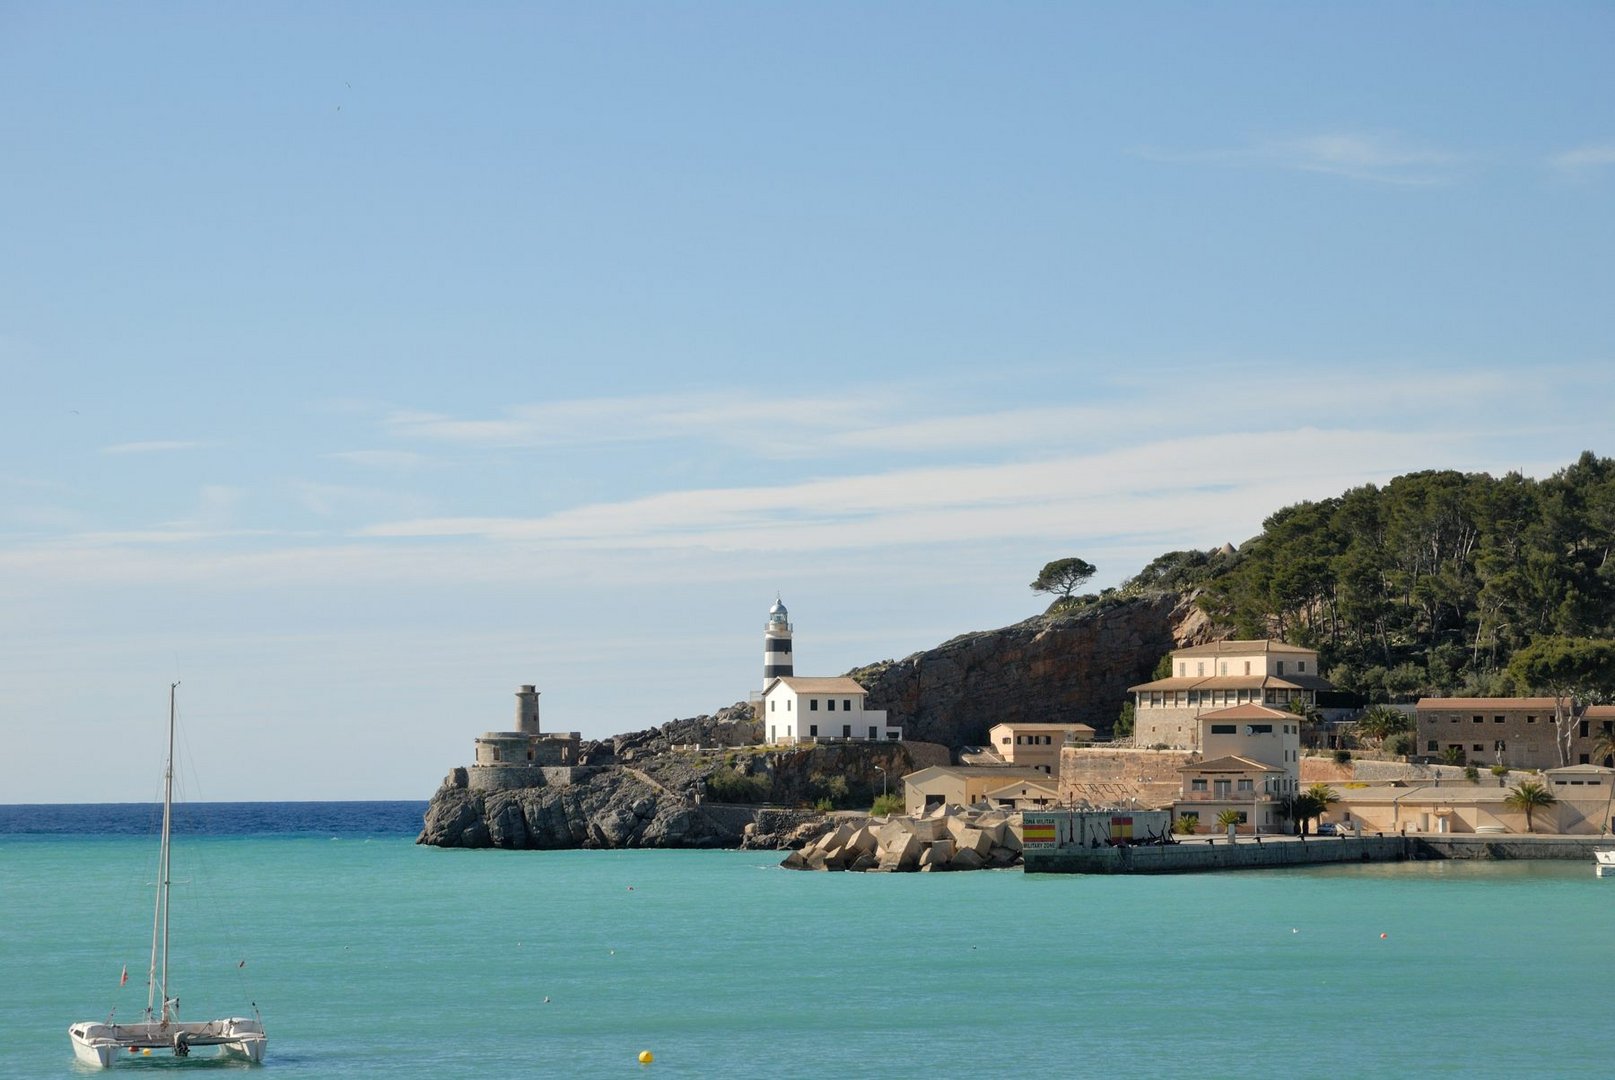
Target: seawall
1274	852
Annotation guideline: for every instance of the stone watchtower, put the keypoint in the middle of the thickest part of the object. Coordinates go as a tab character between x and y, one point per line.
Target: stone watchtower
527	710
777	644
526	757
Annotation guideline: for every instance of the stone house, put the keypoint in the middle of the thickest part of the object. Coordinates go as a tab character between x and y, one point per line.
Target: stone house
1519	732
1221	675
1037	746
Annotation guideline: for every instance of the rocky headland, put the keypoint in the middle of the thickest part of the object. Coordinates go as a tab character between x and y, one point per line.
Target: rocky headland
705	781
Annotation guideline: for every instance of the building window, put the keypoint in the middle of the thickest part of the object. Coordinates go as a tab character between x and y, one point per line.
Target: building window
1197	784
813	704
1480	748
1530	719
1222	668
1432	747
813	730
1477	719
1584	729
787	704
846	731
1300	665
1260	729
1247	785
1279	668
1004	740
1497	719
1247	667
846	704
830	704
1584	760
771	704
871	731
1223	729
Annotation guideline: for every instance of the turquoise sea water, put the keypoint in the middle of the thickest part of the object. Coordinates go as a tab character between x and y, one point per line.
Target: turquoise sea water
369	956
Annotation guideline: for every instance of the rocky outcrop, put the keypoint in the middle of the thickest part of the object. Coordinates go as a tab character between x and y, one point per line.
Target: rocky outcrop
615	808
735	725
1063	667
677	799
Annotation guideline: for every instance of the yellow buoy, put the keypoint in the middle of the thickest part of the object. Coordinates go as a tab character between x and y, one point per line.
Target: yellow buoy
646	1057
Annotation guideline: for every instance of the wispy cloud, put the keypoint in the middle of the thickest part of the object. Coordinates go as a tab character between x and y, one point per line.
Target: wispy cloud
1113	490
1374	158
1586	159
154	446
380	459
771	425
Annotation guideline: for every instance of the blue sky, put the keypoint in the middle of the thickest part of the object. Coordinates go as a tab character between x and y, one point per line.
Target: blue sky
364	361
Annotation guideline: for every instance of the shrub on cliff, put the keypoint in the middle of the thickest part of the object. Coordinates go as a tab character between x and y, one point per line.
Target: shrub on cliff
726	785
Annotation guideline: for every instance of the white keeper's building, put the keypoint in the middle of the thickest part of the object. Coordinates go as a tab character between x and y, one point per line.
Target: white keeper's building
796	709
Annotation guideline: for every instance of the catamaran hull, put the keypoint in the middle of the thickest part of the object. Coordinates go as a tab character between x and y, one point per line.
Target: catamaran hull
104	1045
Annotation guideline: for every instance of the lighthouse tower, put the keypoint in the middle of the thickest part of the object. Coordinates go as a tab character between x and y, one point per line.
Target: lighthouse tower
776	644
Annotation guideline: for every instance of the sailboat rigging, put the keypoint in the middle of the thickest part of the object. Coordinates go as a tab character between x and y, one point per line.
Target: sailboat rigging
101	1044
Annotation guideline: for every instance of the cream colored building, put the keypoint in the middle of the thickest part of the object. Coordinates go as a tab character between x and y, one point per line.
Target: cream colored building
1037	746
1218	676
1024	795
1457	805
961	785
1249	788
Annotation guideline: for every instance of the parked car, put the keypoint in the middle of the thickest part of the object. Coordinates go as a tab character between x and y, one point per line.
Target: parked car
1328	828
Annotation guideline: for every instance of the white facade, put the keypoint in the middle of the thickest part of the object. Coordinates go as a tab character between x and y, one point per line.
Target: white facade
798	709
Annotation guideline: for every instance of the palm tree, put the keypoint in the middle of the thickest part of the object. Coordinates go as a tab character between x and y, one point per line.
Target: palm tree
1323	797
1528	795
1227	818
1301	808
1603	749
1380	722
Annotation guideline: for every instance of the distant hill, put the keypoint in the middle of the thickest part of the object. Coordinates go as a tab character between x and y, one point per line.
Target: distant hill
1427	585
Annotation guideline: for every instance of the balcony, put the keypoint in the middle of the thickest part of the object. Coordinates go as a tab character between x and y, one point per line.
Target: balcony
1228	797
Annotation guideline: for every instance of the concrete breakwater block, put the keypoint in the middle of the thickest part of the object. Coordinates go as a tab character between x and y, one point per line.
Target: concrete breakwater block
948	838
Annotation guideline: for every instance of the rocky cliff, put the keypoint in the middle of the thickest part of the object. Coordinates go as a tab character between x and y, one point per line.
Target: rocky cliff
1051	668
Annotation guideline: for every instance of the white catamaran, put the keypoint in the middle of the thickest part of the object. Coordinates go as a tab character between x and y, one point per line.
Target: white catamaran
102	1044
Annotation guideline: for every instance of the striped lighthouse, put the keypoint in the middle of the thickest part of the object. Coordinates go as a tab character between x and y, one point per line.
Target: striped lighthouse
776	644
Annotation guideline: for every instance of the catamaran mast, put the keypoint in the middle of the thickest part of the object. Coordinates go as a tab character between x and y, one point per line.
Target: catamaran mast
159	919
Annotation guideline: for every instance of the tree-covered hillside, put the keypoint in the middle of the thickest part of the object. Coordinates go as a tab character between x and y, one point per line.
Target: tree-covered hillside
1426	585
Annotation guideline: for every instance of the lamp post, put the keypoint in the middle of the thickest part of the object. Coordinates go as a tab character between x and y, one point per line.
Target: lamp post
882	780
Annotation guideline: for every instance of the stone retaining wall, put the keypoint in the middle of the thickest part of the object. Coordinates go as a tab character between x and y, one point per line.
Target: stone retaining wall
1221	855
